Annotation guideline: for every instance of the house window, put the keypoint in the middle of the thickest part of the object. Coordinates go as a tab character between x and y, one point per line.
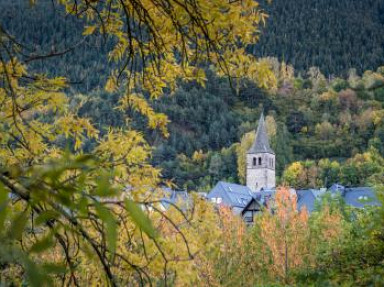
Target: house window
259	160
254	161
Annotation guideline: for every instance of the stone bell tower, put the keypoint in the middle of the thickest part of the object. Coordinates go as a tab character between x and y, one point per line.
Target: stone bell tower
261	161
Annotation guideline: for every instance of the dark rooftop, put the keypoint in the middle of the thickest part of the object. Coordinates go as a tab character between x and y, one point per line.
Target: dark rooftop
261	143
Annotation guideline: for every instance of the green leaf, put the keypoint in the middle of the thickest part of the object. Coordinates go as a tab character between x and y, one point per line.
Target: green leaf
85	158
34	274
82	206
103	187
42	244
18	225
54	268
140	218
110	225
46	216
3	205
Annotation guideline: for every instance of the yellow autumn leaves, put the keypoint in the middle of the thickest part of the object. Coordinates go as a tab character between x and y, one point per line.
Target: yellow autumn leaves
33	115
155	44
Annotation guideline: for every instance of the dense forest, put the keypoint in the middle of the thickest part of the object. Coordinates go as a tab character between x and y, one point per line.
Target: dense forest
308	118
332	35
108	105
314	115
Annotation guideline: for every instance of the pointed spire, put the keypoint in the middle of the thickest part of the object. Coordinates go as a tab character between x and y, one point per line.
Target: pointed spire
261	143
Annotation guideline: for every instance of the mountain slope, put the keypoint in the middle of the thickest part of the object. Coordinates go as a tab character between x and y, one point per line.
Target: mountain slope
332	35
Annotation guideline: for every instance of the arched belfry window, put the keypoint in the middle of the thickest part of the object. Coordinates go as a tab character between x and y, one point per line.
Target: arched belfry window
259	160
254	161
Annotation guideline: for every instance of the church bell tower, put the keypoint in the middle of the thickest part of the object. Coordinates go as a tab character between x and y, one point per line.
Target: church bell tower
261	161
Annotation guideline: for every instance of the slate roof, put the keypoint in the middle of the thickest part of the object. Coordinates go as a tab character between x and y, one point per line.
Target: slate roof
238	197
264	195
261	143
358	197
336	187
307	198
233	195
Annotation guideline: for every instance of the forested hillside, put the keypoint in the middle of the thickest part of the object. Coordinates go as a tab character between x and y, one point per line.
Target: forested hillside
109	107
308	119
312	115
332	35
45	27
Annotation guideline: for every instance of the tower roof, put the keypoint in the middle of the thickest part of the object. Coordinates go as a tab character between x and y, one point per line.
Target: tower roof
261	143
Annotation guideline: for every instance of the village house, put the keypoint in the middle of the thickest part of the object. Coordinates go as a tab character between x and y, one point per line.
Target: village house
248	200
259	191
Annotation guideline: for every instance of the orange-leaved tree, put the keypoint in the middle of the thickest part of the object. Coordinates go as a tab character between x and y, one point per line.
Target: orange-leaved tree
284	232
285	240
